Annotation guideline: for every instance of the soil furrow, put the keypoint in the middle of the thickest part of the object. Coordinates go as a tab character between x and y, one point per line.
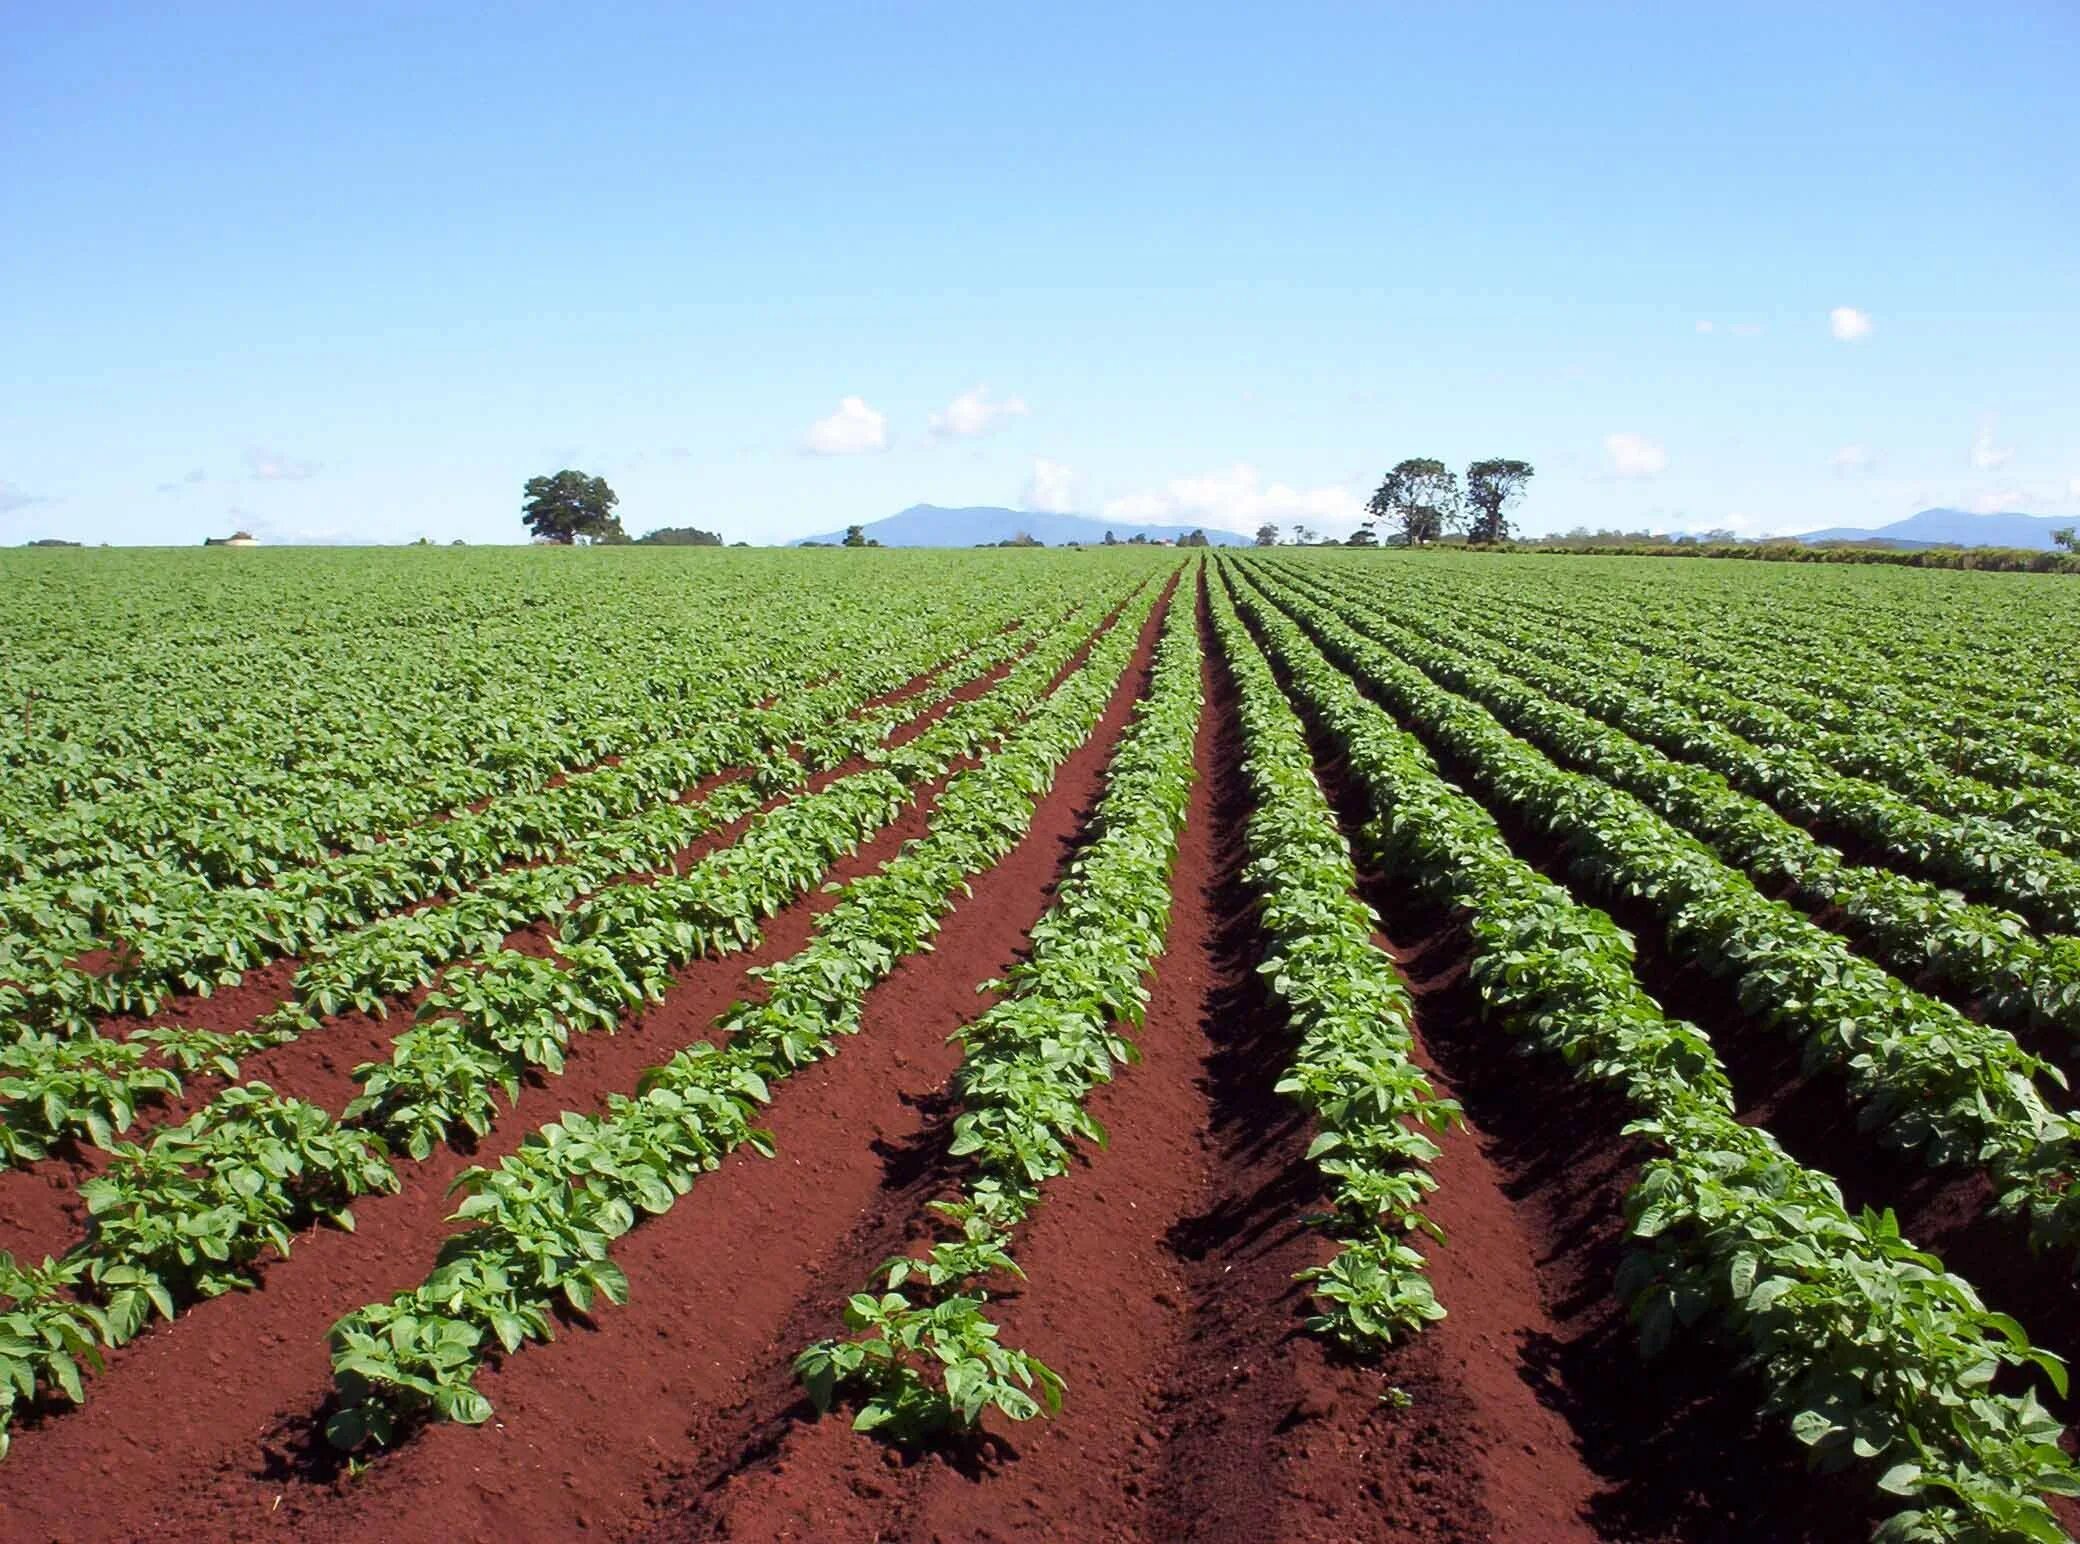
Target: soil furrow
585	1424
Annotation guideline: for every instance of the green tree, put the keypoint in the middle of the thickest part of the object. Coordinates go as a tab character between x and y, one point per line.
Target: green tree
1362	537
1493	488
2066	537
855	536
570	508
1304	535
1420	497
1111	540
1267	535
679	536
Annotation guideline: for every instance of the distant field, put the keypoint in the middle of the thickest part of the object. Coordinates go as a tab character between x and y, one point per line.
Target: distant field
1304	1044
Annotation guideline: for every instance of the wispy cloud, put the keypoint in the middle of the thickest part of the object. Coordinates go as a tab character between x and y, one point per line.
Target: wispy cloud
1634	455
1848	324
1852	458
273	466
1986	455
1053	489
13	498
854	430
1237	499
972	412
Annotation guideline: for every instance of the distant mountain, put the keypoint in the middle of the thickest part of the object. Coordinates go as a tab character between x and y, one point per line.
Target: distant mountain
1952	528
927	525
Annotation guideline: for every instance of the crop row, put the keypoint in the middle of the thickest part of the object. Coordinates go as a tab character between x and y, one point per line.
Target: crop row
1977	853
1872	1351
922	1353
1353	1068
1927	1078
538	1230
87	1086
1984	953
191	936
277	794
489	1025
1941	679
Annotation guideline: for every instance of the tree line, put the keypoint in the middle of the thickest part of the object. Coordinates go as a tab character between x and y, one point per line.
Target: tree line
571	508
1418	502
1422	498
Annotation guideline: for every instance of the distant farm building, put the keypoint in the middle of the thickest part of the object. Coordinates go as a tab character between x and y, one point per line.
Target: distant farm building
235	539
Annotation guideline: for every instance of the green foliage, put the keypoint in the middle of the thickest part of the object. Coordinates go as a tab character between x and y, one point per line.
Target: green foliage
188	1213
923	1356
1870	1350
1493	487
1420	498
570	507
538	1229
1353	1068
181	1217
1927	1077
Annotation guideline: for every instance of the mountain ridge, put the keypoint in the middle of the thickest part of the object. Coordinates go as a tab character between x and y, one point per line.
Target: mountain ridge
934	525
1952	528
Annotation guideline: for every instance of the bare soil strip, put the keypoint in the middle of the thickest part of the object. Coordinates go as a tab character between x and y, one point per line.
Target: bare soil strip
210	1428
41	1212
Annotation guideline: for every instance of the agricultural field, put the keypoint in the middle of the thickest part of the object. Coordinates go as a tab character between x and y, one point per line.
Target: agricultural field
1311	1044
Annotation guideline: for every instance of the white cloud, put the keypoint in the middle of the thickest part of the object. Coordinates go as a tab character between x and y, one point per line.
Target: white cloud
272	466
1236	500
854	430
1852	458
1848	324
1634	455
1053	489
972	412
1985	454
2000	501
1704	326
1740	522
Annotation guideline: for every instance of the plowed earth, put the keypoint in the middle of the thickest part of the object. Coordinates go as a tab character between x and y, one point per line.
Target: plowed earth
1160	1286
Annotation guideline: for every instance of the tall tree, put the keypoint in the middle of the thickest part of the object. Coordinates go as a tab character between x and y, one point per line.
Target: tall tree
1304	535
1420	497
571	507
1267	535
855	536
2066	537
1493	488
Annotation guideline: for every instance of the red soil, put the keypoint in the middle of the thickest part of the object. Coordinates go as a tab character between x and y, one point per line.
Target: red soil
40	1209
1677	1448
583	1423
1160	1285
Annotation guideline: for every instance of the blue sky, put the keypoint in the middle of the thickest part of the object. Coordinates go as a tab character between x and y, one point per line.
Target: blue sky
360	270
